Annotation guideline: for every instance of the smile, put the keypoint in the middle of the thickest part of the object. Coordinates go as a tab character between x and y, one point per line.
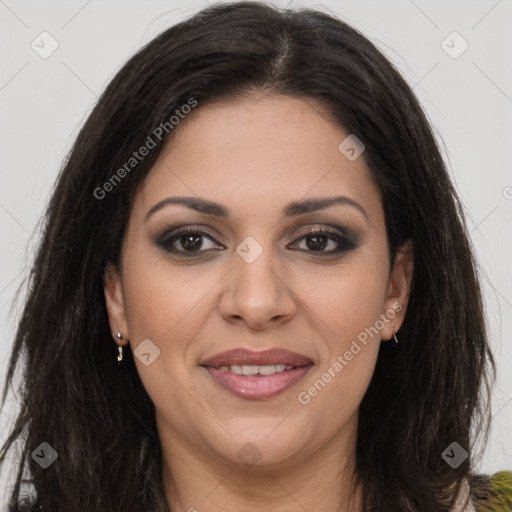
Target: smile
257	375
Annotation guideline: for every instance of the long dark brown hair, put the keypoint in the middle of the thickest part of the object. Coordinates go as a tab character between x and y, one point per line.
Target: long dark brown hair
99	418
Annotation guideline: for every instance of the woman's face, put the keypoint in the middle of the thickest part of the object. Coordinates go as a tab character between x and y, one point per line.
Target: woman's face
252	274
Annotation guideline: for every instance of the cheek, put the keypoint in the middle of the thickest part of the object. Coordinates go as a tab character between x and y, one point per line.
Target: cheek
346	300
163	304
162	299
333	397
347	303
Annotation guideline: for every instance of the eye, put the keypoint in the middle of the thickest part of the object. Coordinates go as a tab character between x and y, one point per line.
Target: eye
326	241
191	241
187	241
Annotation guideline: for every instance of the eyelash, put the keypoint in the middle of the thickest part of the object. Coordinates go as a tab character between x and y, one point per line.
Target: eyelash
345	241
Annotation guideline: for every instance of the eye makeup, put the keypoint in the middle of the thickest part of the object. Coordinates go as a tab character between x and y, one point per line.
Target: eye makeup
320	240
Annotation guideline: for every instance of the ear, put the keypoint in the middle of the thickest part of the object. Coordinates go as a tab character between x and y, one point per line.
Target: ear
399	287
115	304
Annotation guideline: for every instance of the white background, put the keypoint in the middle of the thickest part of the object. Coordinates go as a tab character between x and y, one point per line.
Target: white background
468	99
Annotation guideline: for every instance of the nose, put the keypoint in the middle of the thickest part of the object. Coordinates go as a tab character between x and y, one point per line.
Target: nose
257	294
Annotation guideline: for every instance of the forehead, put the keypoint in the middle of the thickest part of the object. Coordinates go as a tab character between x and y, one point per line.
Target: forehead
259	150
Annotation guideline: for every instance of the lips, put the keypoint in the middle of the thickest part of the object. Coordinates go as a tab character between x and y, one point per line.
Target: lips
241	357
257	375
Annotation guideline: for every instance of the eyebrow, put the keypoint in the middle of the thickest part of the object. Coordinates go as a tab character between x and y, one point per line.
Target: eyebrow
290	210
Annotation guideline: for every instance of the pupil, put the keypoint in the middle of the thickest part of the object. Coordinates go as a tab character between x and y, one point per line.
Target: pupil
316	242
191	242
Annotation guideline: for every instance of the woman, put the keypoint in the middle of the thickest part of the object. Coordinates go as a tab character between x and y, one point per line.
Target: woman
255	289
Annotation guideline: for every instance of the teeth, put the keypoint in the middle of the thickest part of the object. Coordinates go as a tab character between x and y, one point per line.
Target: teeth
250	370
235	368
268	370
255	369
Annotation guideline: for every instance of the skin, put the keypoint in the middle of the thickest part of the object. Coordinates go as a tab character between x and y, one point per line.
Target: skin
254	155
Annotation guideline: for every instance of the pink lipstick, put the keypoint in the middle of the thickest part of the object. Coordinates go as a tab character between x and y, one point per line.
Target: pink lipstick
257	375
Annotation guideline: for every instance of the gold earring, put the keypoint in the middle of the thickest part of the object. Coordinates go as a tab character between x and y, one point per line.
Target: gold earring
120	355
119	336
394	335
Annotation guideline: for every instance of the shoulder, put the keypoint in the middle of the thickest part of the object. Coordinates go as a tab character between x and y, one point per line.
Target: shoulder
492	493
